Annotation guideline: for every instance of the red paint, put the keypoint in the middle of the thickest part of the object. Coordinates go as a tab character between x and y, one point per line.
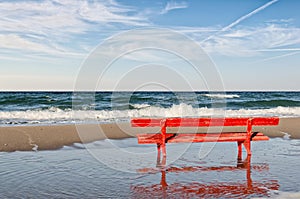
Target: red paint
242	138
198	137
204	122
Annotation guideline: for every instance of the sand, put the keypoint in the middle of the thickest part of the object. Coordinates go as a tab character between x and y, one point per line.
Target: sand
50	137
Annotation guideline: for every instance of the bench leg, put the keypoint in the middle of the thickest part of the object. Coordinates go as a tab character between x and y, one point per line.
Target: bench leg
161	162
239	150
164	161
164	151
247	142
163	137
247	145
158	154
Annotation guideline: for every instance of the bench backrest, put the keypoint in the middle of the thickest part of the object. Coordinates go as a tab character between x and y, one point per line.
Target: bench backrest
203	122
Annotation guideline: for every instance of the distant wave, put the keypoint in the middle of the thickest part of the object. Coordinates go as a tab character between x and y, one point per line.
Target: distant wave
221	95
55	115
268	103
140	106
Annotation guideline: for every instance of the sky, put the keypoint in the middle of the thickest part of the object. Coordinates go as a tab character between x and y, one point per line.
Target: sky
251	45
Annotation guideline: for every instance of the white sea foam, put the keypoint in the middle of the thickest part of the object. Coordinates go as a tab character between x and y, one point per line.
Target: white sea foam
140	106
283	194
56	115
222	96
286	136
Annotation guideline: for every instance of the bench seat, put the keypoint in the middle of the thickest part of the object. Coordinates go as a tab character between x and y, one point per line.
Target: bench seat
199	137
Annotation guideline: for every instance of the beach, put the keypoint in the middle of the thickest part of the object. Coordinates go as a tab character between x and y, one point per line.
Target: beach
131	171
149	99
66	145
49	137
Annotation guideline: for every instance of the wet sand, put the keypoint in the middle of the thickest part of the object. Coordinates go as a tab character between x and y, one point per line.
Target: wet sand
27	138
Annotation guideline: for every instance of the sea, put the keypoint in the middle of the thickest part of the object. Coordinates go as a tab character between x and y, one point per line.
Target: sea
34	108
124	169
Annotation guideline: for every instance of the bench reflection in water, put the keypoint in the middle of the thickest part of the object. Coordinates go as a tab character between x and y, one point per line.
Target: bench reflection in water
240	188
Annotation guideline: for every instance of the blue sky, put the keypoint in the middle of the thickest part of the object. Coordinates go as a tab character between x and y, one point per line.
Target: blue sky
255	45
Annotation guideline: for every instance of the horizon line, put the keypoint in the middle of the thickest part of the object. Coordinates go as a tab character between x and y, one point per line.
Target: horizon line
214	91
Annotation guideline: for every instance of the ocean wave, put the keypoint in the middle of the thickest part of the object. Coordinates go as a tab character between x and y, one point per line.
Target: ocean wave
56	115
267	103
222	96
140	106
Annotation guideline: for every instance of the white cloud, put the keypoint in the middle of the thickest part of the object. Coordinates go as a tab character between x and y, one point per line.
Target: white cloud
172	5
289	20
279	50
242	42
53	26
250	41
277	57
239	20
12	41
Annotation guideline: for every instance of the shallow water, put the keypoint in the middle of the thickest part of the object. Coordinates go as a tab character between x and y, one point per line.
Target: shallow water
75	172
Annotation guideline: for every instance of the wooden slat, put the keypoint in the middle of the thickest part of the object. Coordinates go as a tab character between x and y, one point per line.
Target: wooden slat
269	121
203	122
198	137
206	122
152	138
145	122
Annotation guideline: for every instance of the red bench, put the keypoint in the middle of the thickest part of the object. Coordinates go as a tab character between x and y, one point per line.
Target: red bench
242	138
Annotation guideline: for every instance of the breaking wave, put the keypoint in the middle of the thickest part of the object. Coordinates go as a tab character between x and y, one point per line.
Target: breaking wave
56	115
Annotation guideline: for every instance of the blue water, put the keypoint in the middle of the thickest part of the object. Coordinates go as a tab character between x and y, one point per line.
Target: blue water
21	108
74	172
15	101
124	169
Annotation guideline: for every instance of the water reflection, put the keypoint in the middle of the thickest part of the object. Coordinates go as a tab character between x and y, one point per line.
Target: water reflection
239	188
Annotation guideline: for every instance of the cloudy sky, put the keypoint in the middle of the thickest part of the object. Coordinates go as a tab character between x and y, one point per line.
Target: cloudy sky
254	45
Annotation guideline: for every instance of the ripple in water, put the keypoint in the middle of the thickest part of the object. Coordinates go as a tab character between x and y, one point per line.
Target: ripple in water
74	173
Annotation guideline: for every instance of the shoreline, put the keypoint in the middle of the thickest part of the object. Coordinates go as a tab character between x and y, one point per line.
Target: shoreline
52	137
